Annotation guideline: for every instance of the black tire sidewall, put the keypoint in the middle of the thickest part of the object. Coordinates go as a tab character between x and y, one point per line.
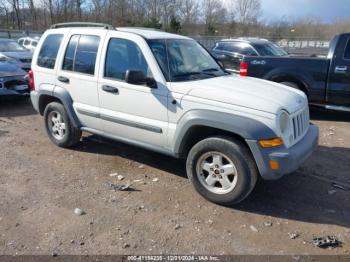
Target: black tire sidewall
54	106
236	155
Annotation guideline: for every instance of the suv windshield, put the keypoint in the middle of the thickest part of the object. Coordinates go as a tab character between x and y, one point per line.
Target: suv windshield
11	46
270	49
184	60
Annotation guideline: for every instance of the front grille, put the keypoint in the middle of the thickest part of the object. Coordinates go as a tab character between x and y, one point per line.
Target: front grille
301	123
25	60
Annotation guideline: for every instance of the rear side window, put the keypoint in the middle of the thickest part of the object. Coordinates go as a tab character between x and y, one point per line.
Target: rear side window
49	50
347	50
123	55
230	47
81	54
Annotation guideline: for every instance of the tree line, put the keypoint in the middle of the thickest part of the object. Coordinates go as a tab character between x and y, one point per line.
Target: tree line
190	17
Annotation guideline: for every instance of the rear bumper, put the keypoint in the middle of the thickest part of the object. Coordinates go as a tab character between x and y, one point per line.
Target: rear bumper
34	97
289	159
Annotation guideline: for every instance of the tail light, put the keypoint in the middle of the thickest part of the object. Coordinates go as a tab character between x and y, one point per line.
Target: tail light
243	69
31	80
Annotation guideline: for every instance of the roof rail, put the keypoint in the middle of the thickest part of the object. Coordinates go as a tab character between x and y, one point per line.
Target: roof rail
82	24
142	28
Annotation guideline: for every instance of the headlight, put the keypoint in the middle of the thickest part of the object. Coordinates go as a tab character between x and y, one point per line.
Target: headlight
284	122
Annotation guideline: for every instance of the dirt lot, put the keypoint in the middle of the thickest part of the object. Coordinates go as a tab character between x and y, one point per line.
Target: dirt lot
41	185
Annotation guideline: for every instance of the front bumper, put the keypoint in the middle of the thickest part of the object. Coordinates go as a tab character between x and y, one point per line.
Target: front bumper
12	86
289	159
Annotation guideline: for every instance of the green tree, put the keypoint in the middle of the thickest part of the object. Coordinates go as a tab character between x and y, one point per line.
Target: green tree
175	25
153	23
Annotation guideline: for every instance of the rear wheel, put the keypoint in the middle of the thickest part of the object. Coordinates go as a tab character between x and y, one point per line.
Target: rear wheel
222	170
59	127
291	84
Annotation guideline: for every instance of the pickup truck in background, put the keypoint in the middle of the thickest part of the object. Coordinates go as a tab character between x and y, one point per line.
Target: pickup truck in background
326	81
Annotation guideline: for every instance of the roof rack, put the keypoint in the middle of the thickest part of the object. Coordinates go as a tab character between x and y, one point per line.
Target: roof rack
142	28
82	24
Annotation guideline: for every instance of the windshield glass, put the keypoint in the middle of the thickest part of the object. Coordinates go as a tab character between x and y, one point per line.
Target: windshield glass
11	46
270	49
184	60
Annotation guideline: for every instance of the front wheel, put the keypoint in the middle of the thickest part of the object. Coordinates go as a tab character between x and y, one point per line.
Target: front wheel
222	170
291	84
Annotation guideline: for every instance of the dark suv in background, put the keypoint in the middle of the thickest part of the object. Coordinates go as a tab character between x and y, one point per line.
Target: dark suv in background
231	51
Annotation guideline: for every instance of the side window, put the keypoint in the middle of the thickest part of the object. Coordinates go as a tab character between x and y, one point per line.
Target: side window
49	50
34	43
81	54
70	53
123	55
230	47
20	41
27	42
249	51
219	46
347	50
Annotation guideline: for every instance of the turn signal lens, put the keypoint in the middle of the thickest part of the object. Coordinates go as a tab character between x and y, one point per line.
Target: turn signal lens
243	69
274	165
271	143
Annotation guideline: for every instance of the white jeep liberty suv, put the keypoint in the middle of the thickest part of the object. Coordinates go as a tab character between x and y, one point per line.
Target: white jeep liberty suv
166	93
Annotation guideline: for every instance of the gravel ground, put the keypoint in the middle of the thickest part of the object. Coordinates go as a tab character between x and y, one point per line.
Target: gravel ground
41	185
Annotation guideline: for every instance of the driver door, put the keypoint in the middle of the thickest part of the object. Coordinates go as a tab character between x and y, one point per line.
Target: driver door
132	112
338	91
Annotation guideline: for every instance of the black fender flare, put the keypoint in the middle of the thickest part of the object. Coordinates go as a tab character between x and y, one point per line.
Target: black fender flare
247	128
64	97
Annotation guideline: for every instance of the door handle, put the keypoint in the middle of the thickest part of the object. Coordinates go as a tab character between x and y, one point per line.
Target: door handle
341	69
110	89
63	79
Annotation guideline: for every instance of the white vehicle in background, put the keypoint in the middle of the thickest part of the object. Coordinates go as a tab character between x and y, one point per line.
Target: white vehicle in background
166	93
29	42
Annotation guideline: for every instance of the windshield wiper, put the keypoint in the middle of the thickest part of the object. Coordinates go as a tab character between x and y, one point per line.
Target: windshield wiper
188	74
211	70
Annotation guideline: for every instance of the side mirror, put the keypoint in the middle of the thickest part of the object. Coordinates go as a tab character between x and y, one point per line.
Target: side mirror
137	77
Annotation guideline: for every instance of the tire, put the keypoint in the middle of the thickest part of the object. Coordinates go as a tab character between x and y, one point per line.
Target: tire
59	127
233	152
291	84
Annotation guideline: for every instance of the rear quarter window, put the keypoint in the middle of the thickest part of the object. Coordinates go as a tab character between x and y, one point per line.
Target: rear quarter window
48	52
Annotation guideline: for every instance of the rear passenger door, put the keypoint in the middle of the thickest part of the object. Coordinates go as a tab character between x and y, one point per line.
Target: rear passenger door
132	112
77	73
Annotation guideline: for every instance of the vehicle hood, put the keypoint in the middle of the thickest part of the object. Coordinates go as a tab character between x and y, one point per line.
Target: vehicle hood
9	69
18	55
247	92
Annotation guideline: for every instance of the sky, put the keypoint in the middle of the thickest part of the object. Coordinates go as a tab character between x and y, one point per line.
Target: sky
327	11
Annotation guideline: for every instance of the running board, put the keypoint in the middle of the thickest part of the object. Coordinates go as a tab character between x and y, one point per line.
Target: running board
338	108
333	107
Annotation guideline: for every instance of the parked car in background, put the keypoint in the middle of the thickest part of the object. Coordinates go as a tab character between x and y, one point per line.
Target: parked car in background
12	52
13	82
326	81
28	42
230	52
